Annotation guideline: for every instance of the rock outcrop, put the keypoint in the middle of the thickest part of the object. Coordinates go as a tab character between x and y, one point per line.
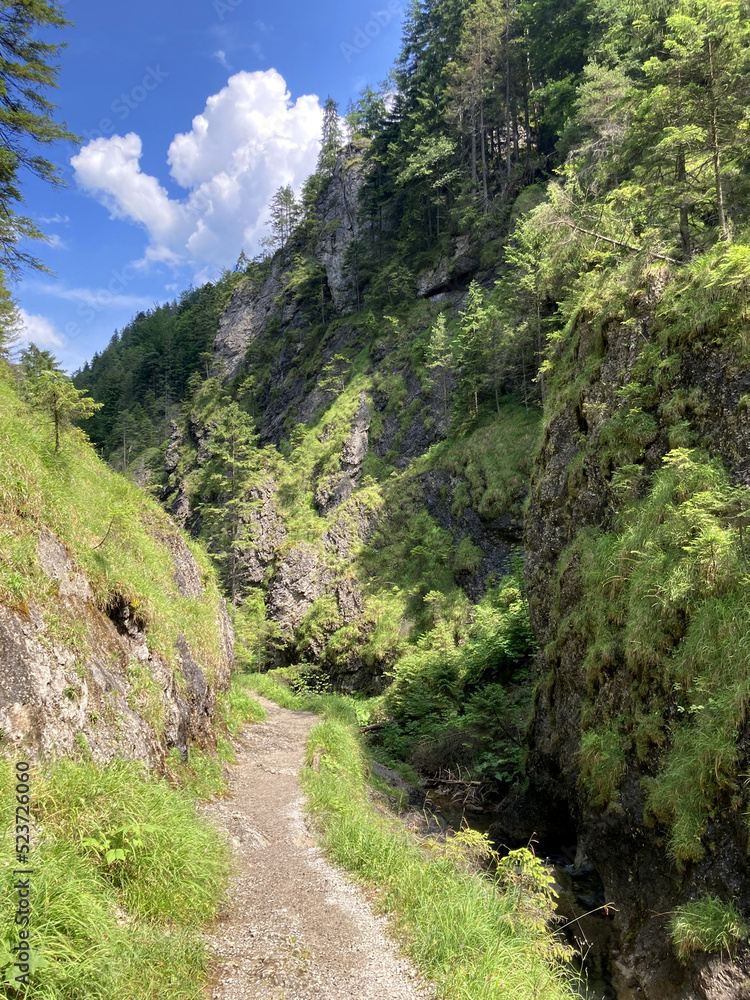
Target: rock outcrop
254	307
103	689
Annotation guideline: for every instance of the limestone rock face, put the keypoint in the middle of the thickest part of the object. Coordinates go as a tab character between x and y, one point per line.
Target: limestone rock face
338	211
449	271
250	310
266	532
335	490
253	307
299	581
119	697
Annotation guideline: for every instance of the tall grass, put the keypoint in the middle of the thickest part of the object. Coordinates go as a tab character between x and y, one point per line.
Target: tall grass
106	927
125	873
707	925
474	938
464	932
666	604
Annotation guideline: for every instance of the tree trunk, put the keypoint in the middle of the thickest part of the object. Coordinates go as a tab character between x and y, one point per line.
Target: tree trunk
507	95
716	149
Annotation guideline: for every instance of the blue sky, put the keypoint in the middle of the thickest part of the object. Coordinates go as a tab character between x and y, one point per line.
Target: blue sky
193	113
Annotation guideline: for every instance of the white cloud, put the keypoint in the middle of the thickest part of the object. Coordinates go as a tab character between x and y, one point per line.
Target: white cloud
38	330
95	298
249	140
54	220
221	55
56	242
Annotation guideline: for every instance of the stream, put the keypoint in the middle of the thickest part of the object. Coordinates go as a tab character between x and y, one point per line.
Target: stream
580	891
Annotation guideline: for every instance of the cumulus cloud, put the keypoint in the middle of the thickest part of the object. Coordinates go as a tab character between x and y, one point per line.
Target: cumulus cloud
249	140
38	330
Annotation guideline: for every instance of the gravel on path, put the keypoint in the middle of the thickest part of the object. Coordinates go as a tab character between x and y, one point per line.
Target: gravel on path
293	927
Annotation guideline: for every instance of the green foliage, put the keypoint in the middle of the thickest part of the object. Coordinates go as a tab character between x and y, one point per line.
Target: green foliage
666	597
467	557
125	873
472	938
114	534
492	461
462	696
27	72
53	392
603	765
706	925
144	372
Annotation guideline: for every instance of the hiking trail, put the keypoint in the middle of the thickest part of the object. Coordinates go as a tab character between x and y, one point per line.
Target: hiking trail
293	927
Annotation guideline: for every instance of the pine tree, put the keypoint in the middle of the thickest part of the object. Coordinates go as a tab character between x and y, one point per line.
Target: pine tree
234	460
26	121
53	391
9	321
473	346
440	356
332	138
285	214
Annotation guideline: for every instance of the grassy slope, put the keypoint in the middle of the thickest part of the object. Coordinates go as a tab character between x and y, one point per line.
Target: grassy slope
110	527
115	927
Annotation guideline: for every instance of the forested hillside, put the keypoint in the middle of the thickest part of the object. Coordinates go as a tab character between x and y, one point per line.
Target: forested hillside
475	437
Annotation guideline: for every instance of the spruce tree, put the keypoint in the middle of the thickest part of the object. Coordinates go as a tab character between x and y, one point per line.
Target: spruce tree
26	122
234	460
332	138
440	357
285	214
473	348
52	391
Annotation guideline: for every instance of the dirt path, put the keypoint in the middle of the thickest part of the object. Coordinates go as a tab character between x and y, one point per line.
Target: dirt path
293	928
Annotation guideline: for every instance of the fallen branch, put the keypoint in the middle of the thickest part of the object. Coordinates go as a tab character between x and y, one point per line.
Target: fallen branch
450	781
617	243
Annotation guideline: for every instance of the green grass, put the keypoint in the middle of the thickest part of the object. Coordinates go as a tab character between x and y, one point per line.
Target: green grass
115	534
666	606
112	926
467	934
707	925
126	873
603	764
475	938
494	459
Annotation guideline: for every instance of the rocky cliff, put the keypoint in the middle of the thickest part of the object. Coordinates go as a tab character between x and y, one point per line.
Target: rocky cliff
615	712
107	692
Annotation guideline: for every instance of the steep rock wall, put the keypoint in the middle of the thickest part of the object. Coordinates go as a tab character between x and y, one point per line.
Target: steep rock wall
694	397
